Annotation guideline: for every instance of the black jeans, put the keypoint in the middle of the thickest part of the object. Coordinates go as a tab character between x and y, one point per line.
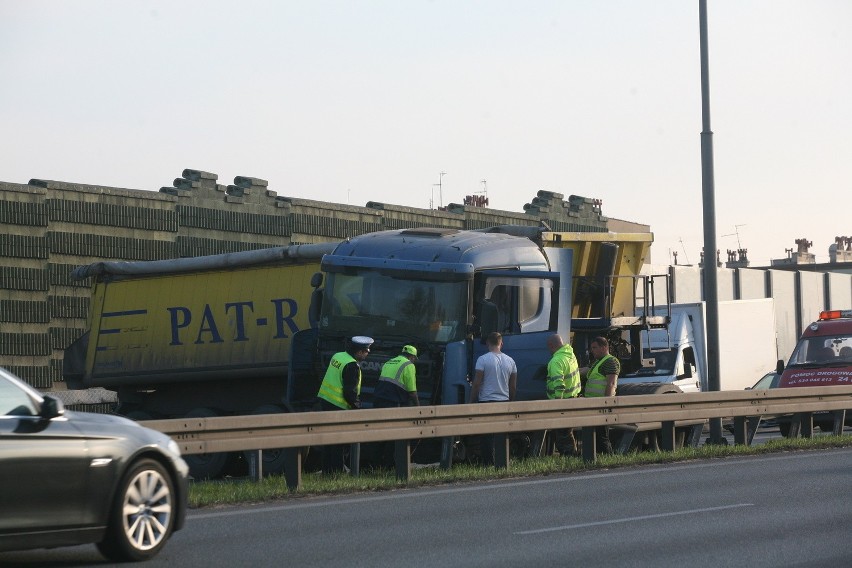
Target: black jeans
332	456
382	453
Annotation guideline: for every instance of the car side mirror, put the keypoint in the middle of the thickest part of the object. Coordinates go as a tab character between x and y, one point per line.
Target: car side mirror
51	408
779	366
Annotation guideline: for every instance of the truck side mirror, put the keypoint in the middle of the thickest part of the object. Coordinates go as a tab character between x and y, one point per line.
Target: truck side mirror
315	306
779	366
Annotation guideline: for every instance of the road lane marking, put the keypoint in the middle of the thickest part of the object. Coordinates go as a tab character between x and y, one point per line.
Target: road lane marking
633	519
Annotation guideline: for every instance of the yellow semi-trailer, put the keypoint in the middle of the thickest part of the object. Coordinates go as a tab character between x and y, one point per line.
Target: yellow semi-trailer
157	329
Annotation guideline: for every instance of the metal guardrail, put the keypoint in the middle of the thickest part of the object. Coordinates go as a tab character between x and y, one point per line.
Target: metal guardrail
293	431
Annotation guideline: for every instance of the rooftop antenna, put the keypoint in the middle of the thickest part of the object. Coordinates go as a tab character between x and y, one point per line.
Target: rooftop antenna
737	234
440	192
685	256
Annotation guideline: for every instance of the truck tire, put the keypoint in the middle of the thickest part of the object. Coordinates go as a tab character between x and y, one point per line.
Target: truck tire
651	441
273	458
206	466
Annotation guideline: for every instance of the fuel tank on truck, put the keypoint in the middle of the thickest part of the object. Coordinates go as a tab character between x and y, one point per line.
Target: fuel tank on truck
230	315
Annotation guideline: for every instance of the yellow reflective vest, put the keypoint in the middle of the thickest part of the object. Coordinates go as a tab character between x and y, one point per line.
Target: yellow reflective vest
595	380
331	388
563	374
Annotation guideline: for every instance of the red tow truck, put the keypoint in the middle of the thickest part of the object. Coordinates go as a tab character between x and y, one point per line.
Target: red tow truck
822	357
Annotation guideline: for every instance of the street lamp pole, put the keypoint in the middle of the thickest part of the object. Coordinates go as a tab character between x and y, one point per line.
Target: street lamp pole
711	291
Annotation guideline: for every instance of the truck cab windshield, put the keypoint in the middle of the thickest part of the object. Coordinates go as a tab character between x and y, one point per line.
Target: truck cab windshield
823	350
663	362
369	303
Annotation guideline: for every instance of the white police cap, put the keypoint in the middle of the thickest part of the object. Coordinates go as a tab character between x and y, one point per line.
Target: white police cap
362	341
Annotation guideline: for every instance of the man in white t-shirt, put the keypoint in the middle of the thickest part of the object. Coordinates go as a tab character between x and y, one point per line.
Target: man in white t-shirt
496	374
495	380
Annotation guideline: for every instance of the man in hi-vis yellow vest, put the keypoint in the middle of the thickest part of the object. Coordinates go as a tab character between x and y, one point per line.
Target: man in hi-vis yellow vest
601	380
341	390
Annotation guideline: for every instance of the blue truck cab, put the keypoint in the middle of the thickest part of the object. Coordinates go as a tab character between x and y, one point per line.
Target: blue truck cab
443	291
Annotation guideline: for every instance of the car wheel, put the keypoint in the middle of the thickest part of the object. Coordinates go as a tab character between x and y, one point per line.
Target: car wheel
142	515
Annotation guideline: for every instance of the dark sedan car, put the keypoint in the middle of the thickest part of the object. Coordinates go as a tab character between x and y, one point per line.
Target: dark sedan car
70	478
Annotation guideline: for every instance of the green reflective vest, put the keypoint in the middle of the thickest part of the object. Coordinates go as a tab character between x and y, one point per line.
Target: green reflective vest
595	381
563	374
400	371
331	388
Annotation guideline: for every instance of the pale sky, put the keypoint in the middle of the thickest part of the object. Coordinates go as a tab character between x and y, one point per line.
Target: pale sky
370	100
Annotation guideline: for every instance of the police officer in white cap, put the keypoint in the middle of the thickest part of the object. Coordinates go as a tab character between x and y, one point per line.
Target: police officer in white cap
341	390
341	386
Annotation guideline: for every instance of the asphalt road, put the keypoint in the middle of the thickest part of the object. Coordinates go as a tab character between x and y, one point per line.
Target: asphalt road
789	509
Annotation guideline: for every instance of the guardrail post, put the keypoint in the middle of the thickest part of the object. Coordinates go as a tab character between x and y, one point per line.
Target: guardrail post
538	444
694	437
255	464
740	430
501	451
806	420
589	441
839	420
355	459
402	458
628	433
447	452
668	435
293	468
745	428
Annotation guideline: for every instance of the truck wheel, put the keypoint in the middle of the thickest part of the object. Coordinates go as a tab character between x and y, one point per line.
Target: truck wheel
273	458
142	516
784	428
205	466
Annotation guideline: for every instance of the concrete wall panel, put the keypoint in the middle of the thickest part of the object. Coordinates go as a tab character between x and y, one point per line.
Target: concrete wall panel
839	292
811	296
687	284
752	284
783	287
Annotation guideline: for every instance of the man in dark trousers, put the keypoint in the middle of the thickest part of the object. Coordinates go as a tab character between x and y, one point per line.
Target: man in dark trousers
602	380
397	387
341	390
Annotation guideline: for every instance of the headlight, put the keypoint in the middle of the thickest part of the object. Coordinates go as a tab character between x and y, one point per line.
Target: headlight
173	447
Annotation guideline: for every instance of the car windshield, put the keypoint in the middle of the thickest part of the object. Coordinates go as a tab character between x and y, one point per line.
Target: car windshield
369	303
14	400
823	350
767	381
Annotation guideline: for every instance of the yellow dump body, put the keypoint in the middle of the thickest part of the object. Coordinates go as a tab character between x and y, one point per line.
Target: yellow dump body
197	325
633	250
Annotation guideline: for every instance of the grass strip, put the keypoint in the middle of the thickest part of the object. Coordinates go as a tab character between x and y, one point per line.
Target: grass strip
274	487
